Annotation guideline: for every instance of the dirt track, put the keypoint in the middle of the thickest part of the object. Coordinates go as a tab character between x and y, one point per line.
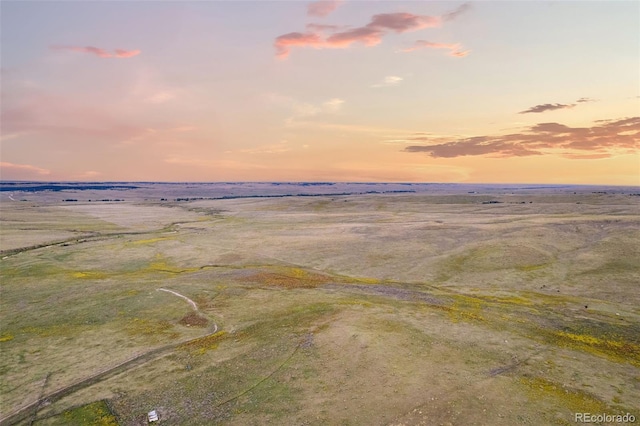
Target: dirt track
32	408
191	302
51	397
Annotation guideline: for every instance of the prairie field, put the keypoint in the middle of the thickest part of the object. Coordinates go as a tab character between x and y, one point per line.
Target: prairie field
373	309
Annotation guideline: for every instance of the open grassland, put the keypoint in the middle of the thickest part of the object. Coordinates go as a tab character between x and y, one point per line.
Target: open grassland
386	309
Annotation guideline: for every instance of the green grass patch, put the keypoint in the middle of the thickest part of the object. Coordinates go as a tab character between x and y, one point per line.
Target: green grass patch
148	327
493	257
292	320
527	268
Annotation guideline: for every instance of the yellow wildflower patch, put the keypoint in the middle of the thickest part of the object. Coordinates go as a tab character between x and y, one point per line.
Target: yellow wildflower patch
89	275
150	240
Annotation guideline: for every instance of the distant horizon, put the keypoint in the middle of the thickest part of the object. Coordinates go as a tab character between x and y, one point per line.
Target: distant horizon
309	182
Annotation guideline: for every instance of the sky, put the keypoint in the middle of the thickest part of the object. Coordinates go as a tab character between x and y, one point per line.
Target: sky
330	90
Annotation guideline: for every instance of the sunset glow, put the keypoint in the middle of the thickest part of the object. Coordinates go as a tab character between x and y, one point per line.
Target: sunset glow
527	92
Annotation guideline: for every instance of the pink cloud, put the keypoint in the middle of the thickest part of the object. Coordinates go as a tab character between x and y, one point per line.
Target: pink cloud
599	139
459	53
365	35
322	8
454	48
284	43
369	35
403	22
341	40
119	53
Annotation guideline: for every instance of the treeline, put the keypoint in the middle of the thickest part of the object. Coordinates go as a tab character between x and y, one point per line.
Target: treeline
334	194
72	200
54	187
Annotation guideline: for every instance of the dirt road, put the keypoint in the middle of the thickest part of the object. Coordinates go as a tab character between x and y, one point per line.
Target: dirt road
191	302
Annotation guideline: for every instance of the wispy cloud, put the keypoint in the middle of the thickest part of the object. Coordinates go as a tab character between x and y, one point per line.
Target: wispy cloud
552	107
402	22
11	171
390	80
57	116
333	105
351	128
97	51
543	138
322	8
455	49
459	53
150	86
457	12
8	136
370	34
300	109
160	97
90	174
546	107
87	49
120	53
276	148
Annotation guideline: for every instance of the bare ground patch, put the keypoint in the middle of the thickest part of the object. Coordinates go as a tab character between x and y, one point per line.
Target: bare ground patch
193	319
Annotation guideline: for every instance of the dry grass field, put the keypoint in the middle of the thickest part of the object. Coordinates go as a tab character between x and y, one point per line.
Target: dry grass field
403	309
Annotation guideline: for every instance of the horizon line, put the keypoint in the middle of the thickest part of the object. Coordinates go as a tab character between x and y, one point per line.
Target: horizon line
310	182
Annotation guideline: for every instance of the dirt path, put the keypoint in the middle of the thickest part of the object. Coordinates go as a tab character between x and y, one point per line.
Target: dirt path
91	236
25	411
31	409
191	302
